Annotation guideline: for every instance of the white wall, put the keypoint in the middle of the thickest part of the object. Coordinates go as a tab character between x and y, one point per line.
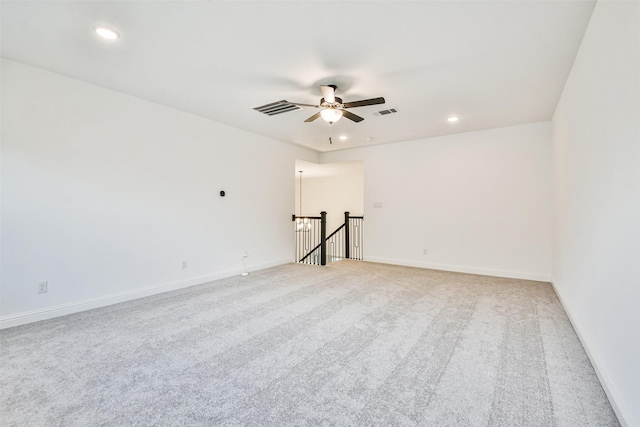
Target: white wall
596	150
334	195
104	195
478	202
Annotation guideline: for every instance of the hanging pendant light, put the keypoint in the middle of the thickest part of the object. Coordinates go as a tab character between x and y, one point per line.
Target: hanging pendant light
302	224
299	224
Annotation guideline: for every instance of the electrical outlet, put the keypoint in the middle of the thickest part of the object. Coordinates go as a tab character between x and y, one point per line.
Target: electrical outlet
245	254
184	265
43	287
425	252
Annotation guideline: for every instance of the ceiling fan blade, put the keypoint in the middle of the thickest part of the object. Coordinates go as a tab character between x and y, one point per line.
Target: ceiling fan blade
329	93
302	105
372	101
312	118
349	115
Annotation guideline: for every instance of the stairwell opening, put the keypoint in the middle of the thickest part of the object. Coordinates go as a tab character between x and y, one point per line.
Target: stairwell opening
334	188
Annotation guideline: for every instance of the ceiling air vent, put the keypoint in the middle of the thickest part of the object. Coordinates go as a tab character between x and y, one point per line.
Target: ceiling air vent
385	112
277	108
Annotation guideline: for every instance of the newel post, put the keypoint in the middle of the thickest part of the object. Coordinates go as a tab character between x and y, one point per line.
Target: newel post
347	244
323	238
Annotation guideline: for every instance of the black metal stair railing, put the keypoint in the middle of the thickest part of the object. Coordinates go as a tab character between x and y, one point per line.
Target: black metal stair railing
314	247
308	232
355	236
335	245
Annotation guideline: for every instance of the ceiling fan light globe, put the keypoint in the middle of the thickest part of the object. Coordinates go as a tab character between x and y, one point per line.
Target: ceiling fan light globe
331	115
107	33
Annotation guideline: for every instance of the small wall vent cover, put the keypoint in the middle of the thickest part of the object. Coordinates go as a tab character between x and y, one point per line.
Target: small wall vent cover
385	112
277	108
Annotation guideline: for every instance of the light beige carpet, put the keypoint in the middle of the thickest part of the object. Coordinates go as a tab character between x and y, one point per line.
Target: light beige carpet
349	344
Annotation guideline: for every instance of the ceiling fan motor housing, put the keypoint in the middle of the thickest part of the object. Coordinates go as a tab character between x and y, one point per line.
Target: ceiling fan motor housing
338	103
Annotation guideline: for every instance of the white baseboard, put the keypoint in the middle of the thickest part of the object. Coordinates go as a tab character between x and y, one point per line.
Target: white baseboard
601	372
89	304
463	269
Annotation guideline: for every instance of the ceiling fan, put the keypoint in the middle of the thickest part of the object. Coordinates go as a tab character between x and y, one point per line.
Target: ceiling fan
332	107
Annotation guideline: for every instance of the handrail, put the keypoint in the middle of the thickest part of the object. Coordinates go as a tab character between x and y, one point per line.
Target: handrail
293	217
337	229
320	244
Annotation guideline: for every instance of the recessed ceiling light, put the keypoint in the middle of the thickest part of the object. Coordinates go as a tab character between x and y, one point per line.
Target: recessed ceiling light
343	137
453	119
107	33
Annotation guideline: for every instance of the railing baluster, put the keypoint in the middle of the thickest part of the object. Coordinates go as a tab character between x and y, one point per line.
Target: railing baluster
346	234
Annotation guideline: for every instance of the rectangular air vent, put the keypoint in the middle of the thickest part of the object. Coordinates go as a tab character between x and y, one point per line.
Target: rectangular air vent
385	112
277	108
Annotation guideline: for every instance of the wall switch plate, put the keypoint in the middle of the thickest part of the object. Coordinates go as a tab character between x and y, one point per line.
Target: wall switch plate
184	265
425	251
245	254
377	205
43	287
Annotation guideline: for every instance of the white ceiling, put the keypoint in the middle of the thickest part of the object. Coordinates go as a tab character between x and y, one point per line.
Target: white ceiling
493	63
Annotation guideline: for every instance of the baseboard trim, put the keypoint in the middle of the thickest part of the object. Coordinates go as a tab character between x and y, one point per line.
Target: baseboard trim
601	372
89	304
463	269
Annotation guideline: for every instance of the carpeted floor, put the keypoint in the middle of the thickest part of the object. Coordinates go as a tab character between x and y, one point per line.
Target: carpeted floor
349	344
